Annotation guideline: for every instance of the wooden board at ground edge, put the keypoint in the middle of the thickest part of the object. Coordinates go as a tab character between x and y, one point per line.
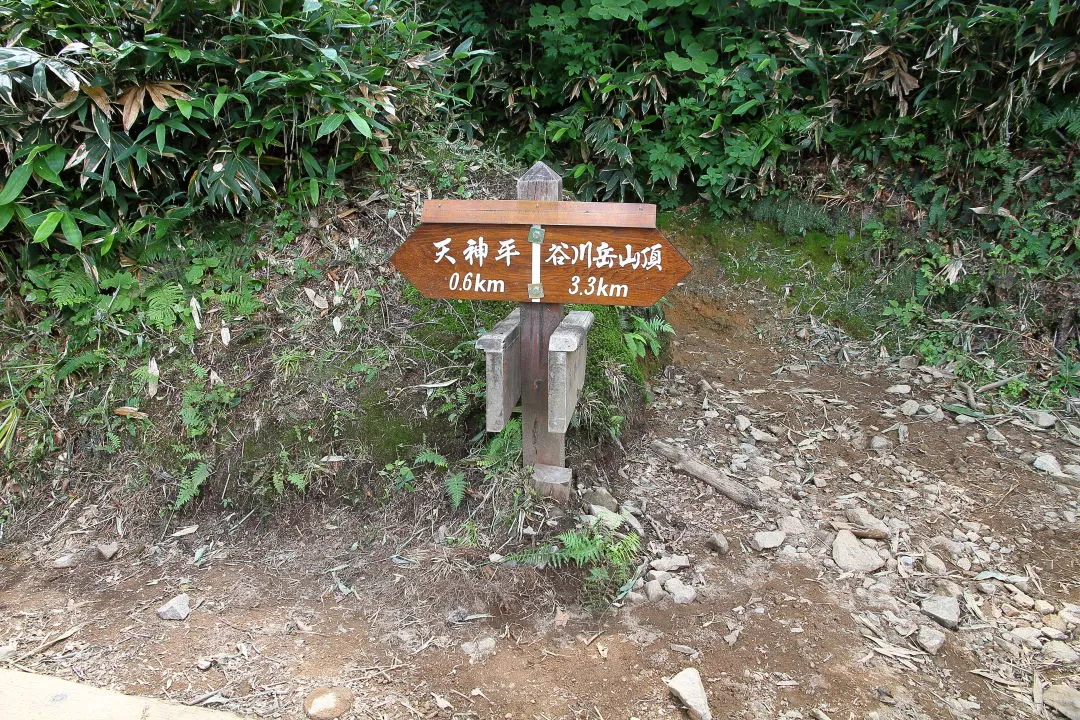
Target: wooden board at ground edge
539	212
624	266
27	696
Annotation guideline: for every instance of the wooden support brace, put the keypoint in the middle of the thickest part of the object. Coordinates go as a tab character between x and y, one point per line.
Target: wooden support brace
502	359
566	368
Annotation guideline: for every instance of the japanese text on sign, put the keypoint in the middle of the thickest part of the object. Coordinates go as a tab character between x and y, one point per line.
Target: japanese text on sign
587	254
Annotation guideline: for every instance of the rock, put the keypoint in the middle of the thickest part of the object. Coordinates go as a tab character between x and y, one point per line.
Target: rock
718	544
898	389
942	609
688	688
176	609
324	703
660	576
654	591
68	560
742	423
1073	470
908	362
1064	699
1043	607
1057	651
935	413
995	436
791	525
864	519
909	407
478	650
1027	636
767	483
762	436
671	563
850	555
633	522
600	496
935	565
1047	463
1023	600
930	639
879	442
767	540
204	664
680	592
964	419
1042	419
107	551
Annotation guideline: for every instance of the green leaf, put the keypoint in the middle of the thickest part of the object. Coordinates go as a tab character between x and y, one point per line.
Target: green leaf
46	173
751	103
329	125
47	226
1055	6
15	183
359	123
963	410
677	62
313	191
6	213
71	231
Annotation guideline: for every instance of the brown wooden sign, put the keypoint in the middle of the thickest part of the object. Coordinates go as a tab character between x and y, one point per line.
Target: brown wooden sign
587	253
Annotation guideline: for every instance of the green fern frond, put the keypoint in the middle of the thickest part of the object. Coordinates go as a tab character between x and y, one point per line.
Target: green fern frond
191	482
430	457
72	288
163	302
456	485
80	362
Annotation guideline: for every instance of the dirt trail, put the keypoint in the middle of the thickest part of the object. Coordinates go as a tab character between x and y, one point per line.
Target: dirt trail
422	629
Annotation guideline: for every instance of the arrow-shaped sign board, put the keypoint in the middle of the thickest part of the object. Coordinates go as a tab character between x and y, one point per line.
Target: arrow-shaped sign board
540	251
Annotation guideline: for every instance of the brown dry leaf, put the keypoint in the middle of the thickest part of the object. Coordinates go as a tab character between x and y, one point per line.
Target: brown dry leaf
876	52
132	101
131	412
159	91
317	300
100	99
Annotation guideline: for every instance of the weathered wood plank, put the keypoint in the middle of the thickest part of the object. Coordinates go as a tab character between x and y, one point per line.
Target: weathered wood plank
630	270
502	362
538	321
539	212
566	368
26	696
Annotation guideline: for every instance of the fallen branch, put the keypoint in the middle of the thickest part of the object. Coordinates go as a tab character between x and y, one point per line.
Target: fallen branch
714	478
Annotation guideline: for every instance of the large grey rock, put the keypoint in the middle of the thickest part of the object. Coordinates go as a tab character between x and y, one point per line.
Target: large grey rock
762	436
1047	463
942	609
688	688
1027	636
850	555
719	544
671	563
1061	652
107	551
680	592
898	389
865	519
909	407
600	496
66	561
930	638
742	423
654	591
1042	419
324	703
1064	699
176	609
767	540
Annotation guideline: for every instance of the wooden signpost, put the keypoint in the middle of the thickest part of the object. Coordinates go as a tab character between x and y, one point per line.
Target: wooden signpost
540	252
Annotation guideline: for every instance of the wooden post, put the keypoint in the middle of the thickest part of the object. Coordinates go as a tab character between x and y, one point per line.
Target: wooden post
540	447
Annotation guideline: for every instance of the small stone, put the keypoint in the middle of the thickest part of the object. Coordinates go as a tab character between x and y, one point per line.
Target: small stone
768	539
908	362
654	591
176	609
1027	636
603	498
660	576
1064	699
879	442
1042	419
850	555
988	587
671	563
930	639
680	592
479	650
864	519
909	407
742	423
995	436
934	564
1047	463
767	483
791	525
107	551
1023	600
1043	607
898	389
1052	633
324	703
63	562
942	609
204	664
1073	470
718	544
762	436
1057	651
688	688
964	420
935	413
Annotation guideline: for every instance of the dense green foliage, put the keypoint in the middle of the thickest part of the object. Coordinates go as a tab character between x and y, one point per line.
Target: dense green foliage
959	120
